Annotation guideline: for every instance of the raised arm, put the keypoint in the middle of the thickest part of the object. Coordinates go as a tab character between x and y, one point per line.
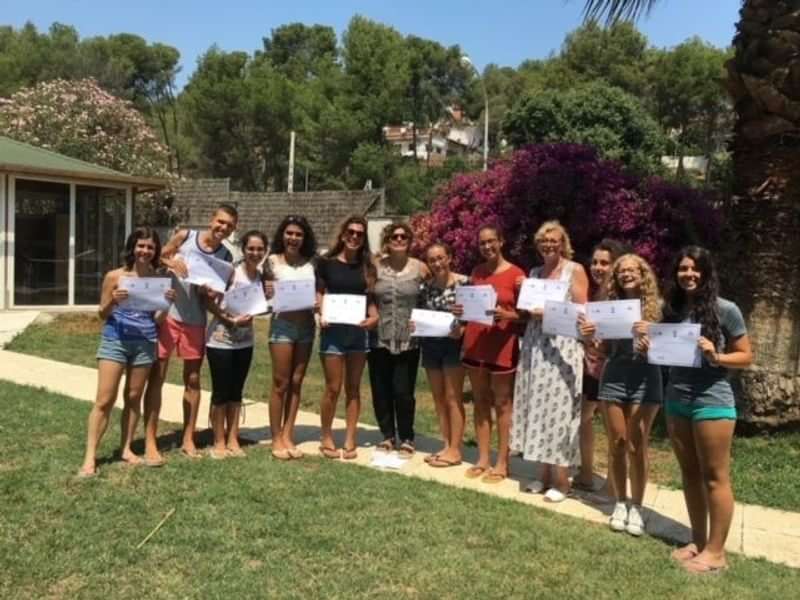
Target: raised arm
170	250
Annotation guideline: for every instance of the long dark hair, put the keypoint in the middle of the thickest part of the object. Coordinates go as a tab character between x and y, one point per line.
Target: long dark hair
308	248
704	304
142	233
364	253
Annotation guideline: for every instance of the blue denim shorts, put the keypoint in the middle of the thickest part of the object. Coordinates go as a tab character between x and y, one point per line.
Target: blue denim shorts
343	339
440	353
284	331
134	353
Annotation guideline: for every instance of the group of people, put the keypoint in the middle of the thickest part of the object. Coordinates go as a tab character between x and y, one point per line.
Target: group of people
539	391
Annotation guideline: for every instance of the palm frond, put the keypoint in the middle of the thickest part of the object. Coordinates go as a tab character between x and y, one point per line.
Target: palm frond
616	10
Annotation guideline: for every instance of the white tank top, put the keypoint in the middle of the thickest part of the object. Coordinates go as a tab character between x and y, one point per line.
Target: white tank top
286	272
220	335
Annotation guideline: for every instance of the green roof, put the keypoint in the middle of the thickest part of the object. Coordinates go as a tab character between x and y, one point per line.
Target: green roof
17	157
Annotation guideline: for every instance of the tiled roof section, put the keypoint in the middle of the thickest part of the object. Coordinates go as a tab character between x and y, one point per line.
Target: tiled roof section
196	200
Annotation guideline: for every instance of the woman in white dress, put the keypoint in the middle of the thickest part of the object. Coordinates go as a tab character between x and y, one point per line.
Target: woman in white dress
547	393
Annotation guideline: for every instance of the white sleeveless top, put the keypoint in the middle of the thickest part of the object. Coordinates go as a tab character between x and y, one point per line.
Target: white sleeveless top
282	271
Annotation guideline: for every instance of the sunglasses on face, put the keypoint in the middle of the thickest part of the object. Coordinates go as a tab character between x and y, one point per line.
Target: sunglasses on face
399	237
354	233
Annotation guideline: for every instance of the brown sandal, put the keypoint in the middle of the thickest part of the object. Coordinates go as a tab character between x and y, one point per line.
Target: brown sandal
349	453
328	452
386	445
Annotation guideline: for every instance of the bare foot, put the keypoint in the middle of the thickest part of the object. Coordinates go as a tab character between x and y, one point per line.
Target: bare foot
705	562
153	460
190	451
87	470
236	451
687	552
130	458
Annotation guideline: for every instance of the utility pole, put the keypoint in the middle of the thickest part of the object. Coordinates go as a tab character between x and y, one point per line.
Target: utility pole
290	183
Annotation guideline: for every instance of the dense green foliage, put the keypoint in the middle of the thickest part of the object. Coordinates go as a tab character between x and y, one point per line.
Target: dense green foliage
234	116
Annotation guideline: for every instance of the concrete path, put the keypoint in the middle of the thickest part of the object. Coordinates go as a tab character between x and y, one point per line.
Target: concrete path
14	322
756	531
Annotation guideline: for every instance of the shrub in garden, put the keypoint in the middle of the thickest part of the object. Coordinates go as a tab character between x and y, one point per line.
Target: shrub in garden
593	198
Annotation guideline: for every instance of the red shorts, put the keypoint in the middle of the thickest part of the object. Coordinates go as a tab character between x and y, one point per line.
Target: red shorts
188	340
491	367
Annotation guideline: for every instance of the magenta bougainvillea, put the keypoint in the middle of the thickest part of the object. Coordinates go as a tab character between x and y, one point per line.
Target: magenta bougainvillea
592	198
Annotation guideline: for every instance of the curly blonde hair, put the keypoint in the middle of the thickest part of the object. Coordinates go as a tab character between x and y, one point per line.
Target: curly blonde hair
547	227
648	291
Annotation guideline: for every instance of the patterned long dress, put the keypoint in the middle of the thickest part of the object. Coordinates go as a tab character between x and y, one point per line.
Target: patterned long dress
547	393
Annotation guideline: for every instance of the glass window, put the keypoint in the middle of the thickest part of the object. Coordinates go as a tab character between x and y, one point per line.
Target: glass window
99	238
41	243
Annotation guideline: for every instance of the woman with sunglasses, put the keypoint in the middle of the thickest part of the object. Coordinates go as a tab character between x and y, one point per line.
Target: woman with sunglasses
547	395
700	405
441	357
229	348
127	348
347	268
490	354
394	355
291	335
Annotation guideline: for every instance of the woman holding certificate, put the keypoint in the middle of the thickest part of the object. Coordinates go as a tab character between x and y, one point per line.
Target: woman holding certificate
441	356
394	355
547	395
630	389
346	277
229	348
291	333
490	354
700	407
127	346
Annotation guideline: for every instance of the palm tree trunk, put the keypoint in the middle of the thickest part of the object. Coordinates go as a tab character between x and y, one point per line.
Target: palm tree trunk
763	257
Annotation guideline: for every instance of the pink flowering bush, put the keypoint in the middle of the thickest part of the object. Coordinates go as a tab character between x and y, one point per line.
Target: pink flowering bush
592	198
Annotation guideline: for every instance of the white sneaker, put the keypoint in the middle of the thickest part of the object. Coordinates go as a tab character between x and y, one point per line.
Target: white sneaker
618	517
535	487
635	524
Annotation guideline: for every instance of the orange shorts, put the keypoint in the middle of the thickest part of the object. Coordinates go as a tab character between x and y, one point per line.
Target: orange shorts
188	340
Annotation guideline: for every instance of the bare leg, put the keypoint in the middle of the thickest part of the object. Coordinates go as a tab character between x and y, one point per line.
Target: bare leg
354	368
437	385
482	396
191	403
300	358
281	381
681	434
333	366
454	390
135	382
218	427
618	442
502	393
640	422
609	459
586	436
713	441
233	411
152	408
109	374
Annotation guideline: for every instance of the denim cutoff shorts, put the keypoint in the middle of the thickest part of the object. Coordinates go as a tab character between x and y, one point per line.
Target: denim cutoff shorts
284	331
343	339
134	353
440	353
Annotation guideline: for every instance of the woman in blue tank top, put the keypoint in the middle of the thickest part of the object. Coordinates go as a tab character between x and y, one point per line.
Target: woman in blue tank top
127	346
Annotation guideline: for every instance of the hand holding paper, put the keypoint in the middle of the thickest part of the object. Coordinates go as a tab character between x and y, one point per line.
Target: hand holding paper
561	318
246	300
347	309
207	270
674	344
614	319
145	293
535	292
478	303
431	323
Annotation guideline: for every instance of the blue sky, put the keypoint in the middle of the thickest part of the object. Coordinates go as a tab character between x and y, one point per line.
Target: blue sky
503	32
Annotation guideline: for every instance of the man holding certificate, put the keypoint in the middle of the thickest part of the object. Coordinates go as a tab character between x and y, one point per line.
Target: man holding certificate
490	355
346	270
184	330
291	284
630	388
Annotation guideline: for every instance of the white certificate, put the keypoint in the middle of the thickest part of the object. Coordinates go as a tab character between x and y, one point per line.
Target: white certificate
614	319
145	293
432	323
561	318
207	270
349	309
479	302
674	345
246	300
535	292
294	294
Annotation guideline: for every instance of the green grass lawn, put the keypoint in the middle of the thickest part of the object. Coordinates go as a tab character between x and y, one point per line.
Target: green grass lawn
261	528
766	470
